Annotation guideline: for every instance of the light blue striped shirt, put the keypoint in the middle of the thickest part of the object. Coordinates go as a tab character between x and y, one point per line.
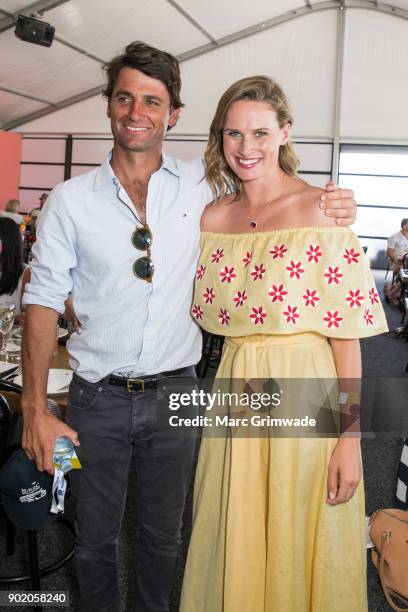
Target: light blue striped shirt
84	247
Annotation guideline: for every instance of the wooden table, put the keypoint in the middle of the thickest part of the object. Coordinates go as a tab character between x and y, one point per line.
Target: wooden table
58	361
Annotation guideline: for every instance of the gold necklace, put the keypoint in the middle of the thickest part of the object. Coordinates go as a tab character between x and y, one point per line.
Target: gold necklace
253	223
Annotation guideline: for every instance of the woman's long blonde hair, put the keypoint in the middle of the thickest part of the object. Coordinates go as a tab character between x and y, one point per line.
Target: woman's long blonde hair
219	175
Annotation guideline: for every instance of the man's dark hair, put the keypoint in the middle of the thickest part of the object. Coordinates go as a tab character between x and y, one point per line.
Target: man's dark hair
404	222
153	63
11	257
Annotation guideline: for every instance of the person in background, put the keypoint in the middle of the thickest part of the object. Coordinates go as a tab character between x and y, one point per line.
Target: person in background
11	211
397	246
43	198
14	274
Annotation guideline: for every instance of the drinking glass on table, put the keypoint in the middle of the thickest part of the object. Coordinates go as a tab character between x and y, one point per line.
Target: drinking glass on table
6	324
13	344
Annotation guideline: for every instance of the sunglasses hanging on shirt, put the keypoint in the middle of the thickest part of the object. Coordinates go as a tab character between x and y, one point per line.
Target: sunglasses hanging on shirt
142	240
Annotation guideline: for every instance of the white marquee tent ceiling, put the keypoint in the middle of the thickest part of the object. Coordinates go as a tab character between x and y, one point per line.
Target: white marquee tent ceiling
343	63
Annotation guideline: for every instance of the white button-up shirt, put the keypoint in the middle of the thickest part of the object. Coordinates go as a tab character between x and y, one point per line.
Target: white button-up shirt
84	247
399	244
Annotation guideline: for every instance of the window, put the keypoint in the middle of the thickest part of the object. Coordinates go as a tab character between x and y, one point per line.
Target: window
379	177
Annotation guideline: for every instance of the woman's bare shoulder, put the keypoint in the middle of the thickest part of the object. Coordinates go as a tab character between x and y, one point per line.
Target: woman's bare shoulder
309	205
214	214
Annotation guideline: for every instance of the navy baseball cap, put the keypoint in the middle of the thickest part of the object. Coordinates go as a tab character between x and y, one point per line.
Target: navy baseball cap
26	493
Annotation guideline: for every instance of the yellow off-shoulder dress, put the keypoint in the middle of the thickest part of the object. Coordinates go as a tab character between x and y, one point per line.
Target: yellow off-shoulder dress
263	538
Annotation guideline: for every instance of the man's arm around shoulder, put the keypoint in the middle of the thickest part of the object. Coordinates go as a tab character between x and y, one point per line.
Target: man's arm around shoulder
41	428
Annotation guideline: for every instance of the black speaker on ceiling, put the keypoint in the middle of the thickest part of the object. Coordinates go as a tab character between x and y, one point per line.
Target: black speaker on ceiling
34	31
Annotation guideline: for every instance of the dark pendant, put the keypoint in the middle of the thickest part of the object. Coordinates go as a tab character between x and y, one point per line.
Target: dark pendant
253	224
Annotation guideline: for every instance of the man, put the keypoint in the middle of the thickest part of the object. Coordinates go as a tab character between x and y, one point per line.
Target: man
397	246
43	198
135	327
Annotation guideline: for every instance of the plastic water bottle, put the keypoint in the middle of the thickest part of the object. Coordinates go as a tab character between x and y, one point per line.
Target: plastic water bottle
63	450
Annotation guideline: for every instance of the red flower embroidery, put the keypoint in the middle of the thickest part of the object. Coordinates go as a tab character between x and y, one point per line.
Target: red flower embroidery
368	317
277	293
332	318
291	314
333	275
355	298
216	256
314	253
248	258
278	251
351	255
258	272
295	269
200	272
197	312
224	316
374	297
311	297
258	315
209	295
240	298
227	275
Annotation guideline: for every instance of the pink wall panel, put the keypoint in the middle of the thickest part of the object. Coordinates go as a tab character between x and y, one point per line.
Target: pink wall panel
41	176
43	150
10	156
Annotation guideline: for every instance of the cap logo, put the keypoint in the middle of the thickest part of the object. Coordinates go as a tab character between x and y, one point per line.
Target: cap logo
33	493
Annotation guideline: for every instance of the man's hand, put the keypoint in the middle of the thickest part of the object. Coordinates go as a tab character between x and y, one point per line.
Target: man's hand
41	429
344	471
339	203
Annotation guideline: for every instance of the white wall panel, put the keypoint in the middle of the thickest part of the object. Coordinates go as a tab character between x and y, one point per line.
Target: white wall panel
12	106
375	90
400	4
15	5
41	176
300	55
183	149
314	156
85	117
318	180
43	150
51	74
223	18
105	30
90	151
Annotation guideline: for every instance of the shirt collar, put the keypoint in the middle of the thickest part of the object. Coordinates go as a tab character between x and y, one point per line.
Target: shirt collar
105	174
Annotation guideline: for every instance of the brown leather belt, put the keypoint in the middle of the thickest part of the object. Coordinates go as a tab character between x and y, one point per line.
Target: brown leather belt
143	383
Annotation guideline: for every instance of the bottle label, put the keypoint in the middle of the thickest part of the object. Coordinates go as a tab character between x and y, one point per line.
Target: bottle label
70	456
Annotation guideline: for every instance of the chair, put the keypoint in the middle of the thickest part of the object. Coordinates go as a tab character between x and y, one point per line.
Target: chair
389	267
8	429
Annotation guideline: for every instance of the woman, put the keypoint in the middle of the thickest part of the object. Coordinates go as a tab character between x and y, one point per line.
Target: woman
11	211
278	522
14	274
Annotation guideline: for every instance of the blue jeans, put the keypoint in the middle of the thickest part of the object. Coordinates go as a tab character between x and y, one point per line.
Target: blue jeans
117	427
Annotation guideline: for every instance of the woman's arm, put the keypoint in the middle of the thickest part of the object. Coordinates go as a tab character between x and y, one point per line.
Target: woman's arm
345	470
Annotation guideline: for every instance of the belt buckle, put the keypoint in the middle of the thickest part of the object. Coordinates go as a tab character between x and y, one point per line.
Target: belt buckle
135	384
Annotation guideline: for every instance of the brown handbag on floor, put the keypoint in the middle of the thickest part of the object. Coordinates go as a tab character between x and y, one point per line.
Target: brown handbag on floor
389	534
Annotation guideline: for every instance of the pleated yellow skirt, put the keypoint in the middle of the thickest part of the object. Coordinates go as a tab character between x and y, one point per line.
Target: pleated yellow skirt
263	538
